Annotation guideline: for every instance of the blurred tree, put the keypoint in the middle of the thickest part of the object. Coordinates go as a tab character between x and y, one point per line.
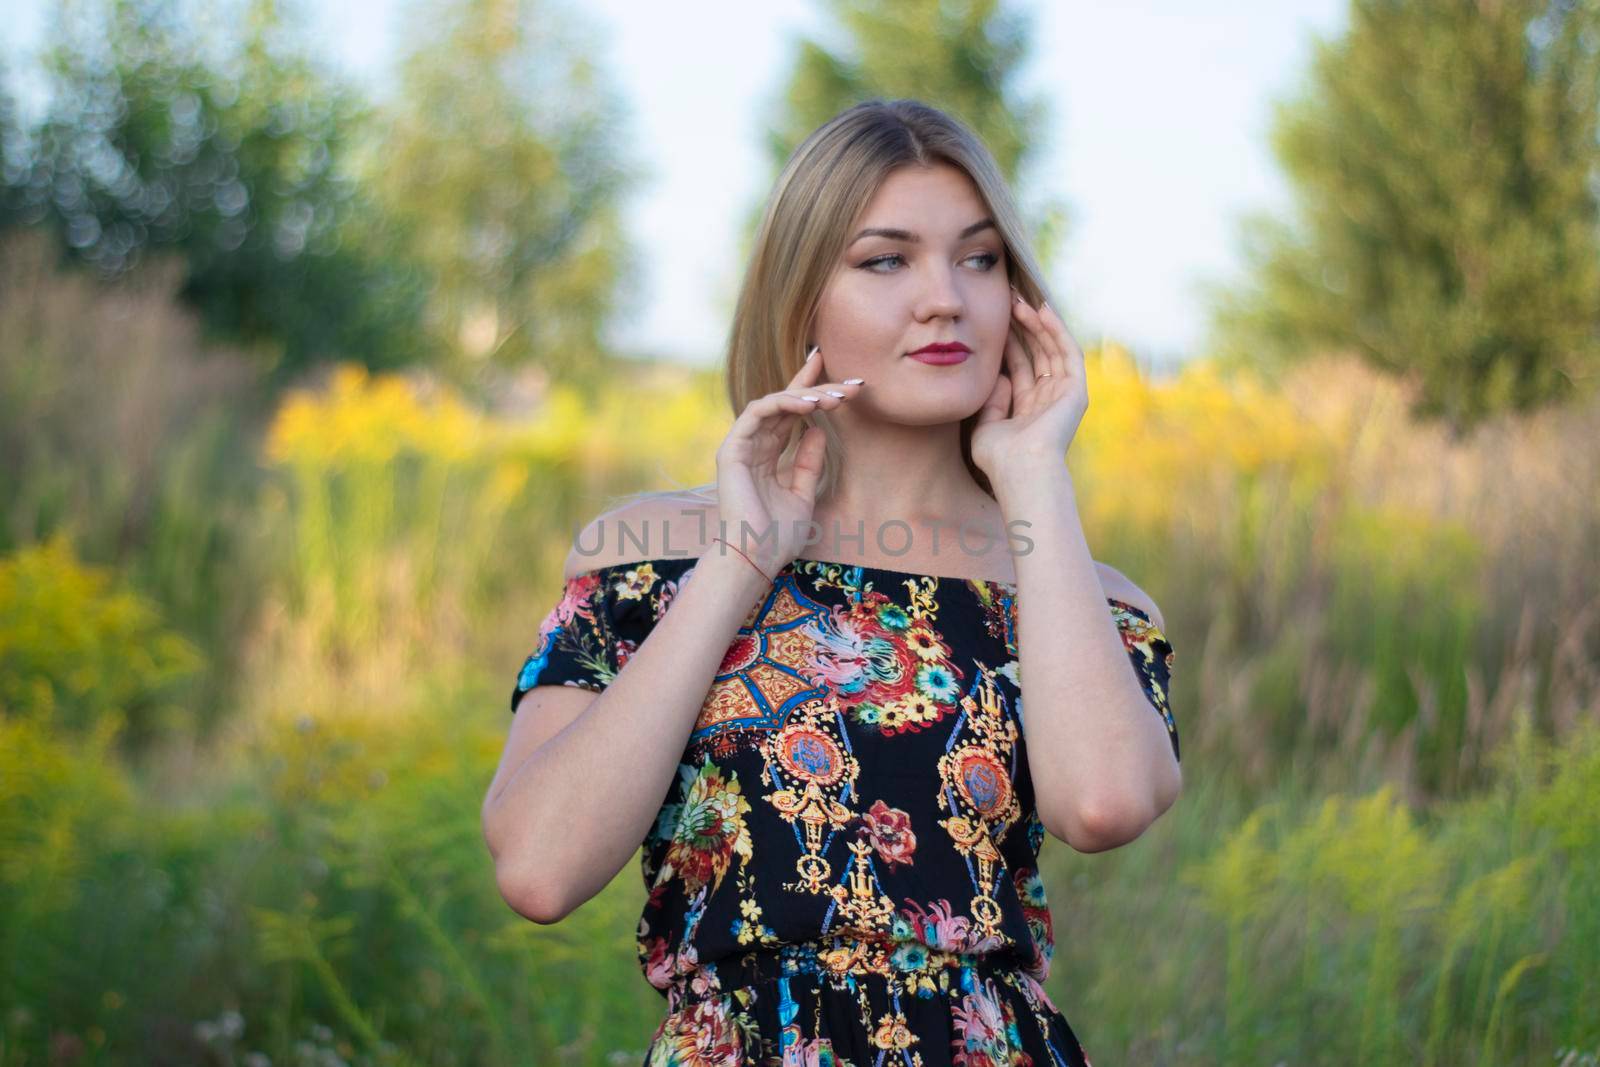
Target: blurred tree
13	148
229	151
958	55
500	163
1447	171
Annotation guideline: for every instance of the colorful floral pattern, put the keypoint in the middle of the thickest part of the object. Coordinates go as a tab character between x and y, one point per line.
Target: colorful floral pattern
852	832
986	1031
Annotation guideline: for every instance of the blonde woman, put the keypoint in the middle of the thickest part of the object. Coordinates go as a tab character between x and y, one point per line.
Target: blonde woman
821	746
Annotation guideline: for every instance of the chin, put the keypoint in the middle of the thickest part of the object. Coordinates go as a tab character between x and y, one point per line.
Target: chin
929	407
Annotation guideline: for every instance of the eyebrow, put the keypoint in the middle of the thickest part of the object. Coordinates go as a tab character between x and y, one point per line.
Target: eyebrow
907	235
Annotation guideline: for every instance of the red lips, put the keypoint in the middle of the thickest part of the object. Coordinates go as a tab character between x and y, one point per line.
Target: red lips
941	352
942	346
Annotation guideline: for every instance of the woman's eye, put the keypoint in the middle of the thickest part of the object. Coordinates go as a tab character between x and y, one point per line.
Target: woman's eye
990	258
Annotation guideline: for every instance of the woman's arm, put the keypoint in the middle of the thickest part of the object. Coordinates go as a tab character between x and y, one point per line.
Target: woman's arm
573	810
580	790
1102	765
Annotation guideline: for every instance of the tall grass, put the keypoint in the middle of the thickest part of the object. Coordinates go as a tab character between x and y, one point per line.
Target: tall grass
1344	928
126	433
417	539
1369	599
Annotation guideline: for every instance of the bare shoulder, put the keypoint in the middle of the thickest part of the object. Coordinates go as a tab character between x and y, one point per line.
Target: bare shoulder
1119	585
671	522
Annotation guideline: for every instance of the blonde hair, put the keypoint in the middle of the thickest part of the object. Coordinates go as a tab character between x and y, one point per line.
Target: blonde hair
823	188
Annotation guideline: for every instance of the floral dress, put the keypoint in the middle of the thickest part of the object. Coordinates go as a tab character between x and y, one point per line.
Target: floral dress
844	871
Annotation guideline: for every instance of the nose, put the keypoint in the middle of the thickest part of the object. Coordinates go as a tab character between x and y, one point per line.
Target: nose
941	295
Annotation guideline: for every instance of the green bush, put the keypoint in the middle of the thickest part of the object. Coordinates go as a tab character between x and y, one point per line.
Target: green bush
79	649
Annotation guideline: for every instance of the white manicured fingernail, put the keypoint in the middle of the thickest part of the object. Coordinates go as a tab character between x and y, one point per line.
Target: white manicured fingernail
854	381
834	392
808	396
814	350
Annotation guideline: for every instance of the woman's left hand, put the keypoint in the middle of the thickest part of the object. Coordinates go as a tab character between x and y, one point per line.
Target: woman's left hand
1038	400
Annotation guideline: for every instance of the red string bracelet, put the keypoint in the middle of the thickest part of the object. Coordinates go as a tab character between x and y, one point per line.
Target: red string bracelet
747	559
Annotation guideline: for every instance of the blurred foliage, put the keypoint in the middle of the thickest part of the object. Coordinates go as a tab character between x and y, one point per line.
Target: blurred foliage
500	165
66	810
124	432
230	150
1395	591
407	523
1446	163
1353	932
328	889
13	147
76	649
96	383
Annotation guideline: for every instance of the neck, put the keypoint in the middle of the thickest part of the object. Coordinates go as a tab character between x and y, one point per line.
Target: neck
896	483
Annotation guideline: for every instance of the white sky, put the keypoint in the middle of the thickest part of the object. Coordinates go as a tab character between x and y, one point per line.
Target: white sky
1157	144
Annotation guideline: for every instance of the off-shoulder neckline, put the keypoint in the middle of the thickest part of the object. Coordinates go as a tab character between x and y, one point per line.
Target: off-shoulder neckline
865	568
790	566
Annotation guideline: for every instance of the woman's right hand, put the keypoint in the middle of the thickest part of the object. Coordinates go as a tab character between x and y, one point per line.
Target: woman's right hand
752	489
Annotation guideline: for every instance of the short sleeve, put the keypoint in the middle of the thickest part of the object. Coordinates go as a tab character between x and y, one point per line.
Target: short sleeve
603	617
1152	658
577	644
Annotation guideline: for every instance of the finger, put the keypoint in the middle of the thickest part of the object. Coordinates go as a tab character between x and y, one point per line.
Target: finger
796	403
1046	344
825	394
1071	354
811	377
806	474
1019	363
810	371
1047	348
802	384
763	414
772	418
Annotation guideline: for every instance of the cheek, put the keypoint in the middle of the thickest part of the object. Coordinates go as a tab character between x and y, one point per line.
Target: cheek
856	309
858	329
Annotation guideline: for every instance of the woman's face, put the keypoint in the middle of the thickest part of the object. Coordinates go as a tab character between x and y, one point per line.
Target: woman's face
942	277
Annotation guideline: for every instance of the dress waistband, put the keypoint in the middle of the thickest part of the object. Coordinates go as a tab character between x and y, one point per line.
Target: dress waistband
840	962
